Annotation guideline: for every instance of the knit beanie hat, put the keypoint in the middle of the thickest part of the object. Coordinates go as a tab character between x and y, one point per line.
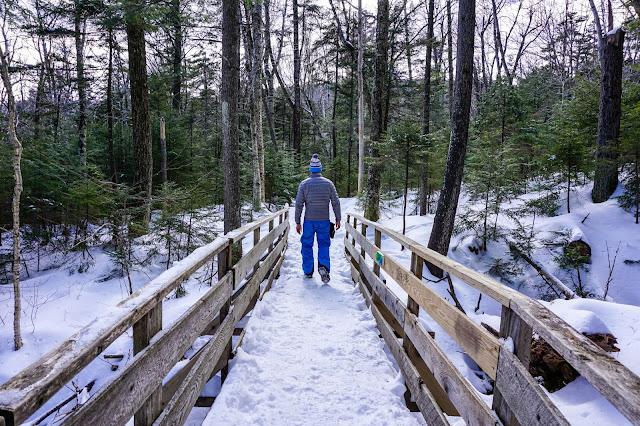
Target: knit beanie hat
315	166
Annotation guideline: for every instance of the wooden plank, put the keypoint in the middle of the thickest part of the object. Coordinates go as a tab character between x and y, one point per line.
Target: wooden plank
249	260
143	330
425	401
205	401
489	286
390	300
427	376
475	340
396	236
275	272
363	231
613	380
26	392
131	386
511	325
243	296
378	242
256	238
237	234
178	409
479	281
524	395
461	393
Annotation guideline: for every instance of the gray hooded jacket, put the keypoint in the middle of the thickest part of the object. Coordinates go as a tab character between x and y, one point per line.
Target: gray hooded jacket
315	193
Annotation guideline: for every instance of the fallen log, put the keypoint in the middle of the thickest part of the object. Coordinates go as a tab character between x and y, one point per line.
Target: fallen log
549	278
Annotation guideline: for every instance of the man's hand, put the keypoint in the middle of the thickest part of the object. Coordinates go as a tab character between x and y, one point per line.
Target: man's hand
299	228
337	225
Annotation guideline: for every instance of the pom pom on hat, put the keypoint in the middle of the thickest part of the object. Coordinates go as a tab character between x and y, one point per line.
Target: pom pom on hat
315	166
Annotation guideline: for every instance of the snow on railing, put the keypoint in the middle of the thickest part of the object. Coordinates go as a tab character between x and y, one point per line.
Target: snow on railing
436	385
138	389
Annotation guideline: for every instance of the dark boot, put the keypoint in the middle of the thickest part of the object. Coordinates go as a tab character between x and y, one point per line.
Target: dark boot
324	273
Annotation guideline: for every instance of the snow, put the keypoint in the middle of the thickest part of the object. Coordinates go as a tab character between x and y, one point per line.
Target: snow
314	351
312	355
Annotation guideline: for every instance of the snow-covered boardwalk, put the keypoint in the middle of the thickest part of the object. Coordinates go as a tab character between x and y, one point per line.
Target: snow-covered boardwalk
312	355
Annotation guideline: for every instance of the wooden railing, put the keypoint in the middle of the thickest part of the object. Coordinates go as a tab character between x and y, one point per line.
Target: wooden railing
436	385
137	390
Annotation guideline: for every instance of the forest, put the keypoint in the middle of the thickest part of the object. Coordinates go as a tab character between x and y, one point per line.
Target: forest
125	118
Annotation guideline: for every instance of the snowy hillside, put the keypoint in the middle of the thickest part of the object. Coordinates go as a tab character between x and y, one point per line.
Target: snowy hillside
59	301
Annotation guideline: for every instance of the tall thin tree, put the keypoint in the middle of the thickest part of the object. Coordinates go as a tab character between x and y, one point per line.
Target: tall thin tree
141	118
360	101
297	102
426	111
255	51
378	112
79	19
606	176
229	95
450	192
17	192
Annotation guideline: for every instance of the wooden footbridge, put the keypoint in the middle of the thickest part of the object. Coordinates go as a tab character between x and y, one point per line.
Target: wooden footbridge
435	386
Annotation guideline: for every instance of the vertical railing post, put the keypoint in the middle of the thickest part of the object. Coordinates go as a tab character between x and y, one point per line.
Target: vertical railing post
511	325
378	243
355	227
271	229
143	331
224	263
417	265
256	239
363	231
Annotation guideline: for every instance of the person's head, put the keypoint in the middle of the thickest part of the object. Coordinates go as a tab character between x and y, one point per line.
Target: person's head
315	166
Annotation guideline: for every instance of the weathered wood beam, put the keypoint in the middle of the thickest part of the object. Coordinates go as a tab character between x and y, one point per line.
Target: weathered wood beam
475	340
131	386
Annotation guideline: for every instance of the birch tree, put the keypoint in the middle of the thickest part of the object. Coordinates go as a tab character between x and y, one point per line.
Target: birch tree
17	192
255	53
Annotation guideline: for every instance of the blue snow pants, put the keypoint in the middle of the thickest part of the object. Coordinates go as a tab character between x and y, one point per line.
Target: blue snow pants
321	229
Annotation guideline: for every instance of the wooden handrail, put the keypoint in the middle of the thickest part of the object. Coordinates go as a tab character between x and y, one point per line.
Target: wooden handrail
26	392
485	284
613	380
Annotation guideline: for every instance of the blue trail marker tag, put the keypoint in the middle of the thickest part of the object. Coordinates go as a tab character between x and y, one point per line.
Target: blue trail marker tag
379	258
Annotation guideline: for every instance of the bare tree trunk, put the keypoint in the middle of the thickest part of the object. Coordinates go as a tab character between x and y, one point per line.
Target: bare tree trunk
17	192
407	44
141	119
268	97
606	177
498	40
598	25
256	52
176	86
350	146
448	201
378	112
360	102
334	130
426	111
229	95
297	102
636	6
450	56
163	151
112	160
79	25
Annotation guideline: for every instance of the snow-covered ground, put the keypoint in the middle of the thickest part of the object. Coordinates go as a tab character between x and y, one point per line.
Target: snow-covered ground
58	302
312	355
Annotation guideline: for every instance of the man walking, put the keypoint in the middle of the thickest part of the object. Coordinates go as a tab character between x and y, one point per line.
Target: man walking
315	193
